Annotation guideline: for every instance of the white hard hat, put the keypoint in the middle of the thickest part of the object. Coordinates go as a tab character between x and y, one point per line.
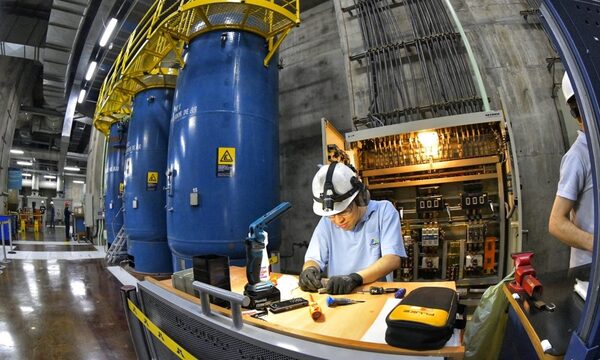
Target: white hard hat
333	196
567	88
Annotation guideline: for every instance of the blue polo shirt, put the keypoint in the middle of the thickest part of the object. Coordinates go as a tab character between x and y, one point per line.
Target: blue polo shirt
342	252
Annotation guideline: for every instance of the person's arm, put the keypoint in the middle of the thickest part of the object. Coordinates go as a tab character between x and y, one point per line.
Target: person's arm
316	256
380	268
392	246
309	263
561	227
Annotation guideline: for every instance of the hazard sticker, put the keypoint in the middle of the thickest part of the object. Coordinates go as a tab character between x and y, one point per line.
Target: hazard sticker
225	161
226	156
151	180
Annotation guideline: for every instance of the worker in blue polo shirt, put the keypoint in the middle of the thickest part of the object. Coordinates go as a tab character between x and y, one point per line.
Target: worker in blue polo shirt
572	217
357	240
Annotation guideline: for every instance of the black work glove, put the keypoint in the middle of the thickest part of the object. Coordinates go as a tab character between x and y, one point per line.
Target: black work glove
343	284
310	279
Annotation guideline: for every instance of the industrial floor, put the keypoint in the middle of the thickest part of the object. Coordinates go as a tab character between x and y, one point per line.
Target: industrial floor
59	301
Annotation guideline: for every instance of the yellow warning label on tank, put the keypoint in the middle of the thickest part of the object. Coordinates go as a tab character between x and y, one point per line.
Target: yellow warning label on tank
226	156
177	350
152	177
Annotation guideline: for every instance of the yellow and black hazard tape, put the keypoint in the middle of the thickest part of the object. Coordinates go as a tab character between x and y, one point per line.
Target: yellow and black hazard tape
159	334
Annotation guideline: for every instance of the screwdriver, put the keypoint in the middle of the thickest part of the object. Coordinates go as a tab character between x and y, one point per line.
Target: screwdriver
378	290
314	308
331	301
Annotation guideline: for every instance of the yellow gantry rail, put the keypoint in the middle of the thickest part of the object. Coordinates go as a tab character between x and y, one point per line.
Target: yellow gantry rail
153	53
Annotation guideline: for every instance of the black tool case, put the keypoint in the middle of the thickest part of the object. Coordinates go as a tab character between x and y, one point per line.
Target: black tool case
424	320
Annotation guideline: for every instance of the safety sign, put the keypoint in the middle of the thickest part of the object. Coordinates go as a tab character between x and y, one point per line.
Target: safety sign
225	161
152	180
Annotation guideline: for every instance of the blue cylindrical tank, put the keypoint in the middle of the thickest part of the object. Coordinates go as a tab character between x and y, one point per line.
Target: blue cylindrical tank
145	164
223	162
113	214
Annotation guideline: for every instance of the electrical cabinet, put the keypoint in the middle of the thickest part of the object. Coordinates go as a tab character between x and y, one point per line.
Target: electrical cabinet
450	179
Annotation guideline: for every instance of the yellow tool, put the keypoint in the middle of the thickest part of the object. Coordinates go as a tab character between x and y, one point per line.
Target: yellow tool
314	308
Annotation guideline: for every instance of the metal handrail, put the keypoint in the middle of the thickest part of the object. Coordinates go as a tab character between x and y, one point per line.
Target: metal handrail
236	301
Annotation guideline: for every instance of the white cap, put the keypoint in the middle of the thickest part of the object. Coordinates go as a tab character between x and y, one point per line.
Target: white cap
567	88
342	183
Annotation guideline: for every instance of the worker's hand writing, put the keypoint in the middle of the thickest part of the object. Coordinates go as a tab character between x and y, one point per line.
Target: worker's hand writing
310	279
343	284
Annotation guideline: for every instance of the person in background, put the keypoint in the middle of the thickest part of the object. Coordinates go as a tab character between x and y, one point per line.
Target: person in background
51	213
357	240
43	214
67	221
572	217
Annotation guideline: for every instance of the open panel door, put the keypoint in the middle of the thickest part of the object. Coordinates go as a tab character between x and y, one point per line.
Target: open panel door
334	145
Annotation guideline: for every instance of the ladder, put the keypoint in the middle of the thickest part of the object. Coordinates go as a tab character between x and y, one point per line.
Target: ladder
117	251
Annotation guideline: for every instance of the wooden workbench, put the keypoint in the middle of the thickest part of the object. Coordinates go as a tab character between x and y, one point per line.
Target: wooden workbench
528	326
339	326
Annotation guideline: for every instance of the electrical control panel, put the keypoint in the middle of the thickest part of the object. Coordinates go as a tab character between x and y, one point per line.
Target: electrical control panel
449	178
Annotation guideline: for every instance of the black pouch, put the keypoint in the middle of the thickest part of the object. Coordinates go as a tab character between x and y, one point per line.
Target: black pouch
424	320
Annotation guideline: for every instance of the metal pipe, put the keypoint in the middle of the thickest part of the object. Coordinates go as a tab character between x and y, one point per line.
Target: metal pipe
471	56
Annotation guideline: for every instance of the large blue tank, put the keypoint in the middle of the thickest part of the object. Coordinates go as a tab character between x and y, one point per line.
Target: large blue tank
145	164
113	214
223	147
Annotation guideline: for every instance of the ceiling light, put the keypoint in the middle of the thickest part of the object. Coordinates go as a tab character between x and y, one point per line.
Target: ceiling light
78	182
90	70
24	163
72	168
26	174
81	96
17	151
108	32
49	177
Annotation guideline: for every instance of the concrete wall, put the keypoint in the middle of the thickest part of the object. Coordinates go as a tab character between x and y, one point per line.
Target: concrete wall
74	191
94	181
512	54
15	84
312	86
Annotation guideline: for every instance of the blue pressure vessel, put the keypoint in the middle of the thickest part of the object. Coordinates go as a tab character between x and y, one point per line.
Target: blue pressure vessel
145	164
113	214
223	162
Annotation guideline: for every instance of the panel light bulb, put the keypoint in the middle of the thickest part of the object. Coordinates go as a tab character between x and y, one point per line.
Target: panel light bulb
429	141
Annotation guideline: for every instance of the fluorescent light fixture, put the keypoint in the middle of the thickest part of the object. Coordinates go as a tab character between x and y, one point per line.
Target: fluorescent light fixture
24	163
78	182
17	151
90	70
72	168
26	174
108	32
49	177
81	96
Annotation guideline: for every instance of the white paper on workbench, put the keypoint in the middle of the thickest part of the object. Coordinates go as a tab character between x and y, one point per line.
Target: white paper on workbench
376	333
